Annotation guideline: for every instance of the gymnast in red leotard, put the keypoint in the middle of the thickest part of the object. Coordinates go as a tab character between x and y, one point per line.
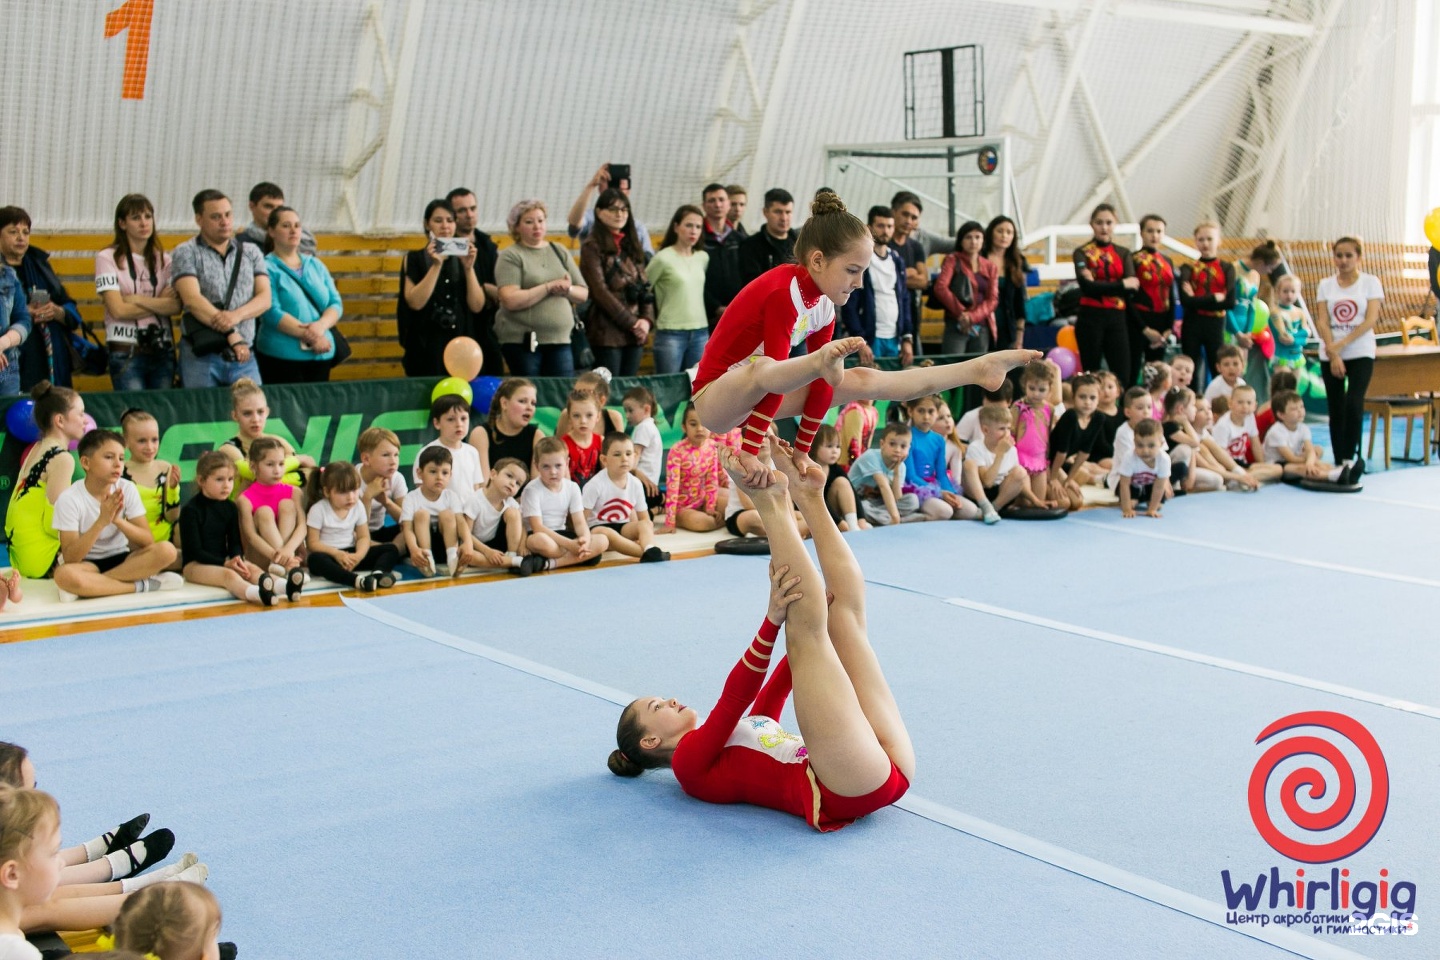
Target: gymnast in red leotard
853	754
744	376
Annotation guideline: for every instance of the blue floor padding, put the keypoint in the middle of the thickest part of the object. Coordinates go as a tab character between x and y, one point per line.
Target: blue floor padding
359	791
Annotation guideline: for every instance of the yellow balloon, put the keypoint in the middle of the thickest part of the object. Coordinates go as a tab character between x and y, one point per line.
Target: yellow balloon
1432	228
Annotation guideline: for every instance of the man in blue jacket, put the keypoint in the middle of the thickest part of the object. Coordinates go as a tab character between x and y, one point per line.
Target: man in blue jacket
880	312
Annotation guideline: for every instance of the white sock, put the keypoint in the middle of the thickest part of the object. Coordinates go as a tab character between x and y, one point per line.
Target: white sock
120	863
1334	474
94	849
429	559
452	558
852	522
252	593
512	559
549	564
173	871
147	585
195	873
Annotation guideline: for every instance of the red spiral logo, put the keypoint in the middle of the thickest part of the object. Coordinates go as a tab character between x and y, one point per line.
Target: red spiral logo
1341	798
1345	310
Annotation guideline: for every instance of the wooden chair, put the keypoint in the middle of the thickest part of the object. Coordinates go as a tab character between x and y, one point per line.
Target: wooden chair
1419	331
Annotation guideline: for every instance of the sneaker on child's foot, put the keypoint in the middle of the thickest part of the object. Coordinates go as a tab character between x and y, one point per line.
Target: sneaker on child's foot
530	563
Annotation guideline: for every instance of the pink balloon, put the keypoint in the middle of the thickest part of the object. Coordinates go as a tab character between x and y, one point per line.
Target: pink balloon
1066	360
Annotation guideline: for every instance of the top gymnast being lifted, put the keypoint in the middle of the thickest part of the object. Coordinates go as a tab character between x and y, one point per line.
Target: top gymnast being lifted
744	376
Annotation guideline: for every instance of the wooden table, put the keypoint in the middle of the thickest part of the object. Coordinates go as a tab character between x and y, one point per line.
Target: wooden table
1400	371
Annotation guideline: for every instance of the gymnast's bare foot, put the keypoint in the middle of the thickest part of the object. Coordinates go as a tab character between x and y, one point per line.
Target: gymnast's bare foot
734	464
989	371
803	474
833	356
12	589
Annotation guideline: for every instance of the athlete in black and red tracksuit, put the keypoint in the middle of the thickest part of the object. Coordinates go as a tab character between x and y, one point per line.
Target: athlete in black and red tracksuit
1204	326
1152	312
1106	274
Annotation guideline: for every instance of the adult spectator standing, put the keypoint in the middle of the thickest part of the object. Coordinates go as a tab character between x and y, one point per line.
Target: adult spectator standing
581	219
1002	248
1347	306
132	276
1106	274
539	288
439	296
677	273
915	246
722	242
773	245
223	286
264	198
14	329
969	319
739	200
295	342
45	354
467	217
879	312
622	302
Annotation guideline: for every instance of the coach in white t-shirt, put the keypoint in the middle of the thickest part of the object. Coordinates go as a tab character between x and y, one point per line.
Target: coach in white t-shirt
1347	305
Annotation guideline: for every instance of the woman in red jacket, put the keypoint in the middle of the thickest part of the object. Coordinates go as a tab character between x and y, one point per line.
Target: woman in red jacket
970	301
853	755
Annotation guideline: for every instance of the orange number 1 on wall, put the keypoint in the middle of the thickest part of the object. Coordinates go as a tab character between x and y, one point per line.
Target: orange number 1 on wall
134	16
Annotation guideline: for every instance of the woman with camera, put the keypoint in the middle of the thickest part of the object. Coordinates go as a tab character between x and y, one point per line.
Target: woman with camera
293	340
439	294
539	288
132	276
622	302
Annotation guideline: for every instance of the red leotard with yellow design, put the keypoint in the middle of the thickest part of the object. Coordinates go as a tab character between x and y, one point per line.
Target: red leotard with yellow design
773	314
735	757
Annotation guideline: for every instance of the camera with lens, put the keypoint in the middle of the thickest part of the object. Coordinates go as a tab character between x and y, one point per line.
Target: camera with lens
445	316
639	293
153	339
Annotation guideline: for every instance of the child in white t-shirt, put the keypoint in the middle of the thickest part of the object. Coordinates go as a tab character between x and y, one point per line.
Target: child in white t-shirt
497	536
1145	471
106	547
639	407
1229	363
967	428
450	416
433	512
994	478
1288	443
337	538
382	485
614	500
554	514
1238	435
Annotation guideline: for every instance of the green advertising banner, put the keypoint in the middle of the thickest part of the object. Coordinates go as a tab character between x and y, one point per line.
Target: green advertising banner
324	420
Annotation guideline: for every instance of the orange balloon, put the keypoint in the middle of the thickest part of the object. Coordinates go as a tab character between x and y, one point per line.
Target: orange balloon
464	358
1066	338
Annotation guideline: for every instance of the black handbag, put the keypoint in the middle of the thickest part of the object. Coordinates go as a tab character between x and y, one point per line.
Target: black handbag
87	354
205	340
580	352
960	287
342	345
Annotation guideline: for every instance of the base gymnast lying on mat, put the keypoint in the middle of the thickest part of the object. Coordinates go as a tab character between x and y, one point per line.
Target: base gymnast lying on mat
853	755
744	376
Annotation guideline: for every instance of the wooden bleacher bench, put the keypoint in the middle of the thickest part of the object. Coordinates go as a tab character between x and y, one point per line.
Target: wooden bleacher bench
367	274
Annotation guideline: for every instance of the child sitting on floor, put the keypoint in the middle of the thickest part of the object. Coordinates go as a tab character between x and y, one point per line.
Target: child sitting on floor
693	479
105	543
839	493
1288	444
1229	363
878	476
1237	434
29	863
1192	466
497	535
450	417
338	543
554	513
1281	380
272	520
614	500
171	921
954	447
1182	372
1073	440
210	536
926	472
509	429
252	414
1109	410
157	481
596	383
582	442
1137	410
432	513
994	478
382	485
1156	378
639	405
1145	472
855	424
967	428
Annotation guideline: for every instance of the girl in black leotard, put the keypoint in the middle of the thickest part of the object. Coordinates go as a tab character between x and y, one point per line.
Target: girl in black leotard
509	430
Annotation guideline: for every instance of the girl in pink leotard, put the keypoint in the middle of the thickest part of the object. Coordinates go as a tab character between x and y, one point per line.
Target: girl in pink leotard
272	522
1034	415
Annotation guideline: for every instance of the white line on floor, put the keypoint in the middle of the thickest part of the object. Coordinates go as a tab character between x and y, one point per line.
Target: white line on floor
1023	844
1366	498
1222	663
1261	554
